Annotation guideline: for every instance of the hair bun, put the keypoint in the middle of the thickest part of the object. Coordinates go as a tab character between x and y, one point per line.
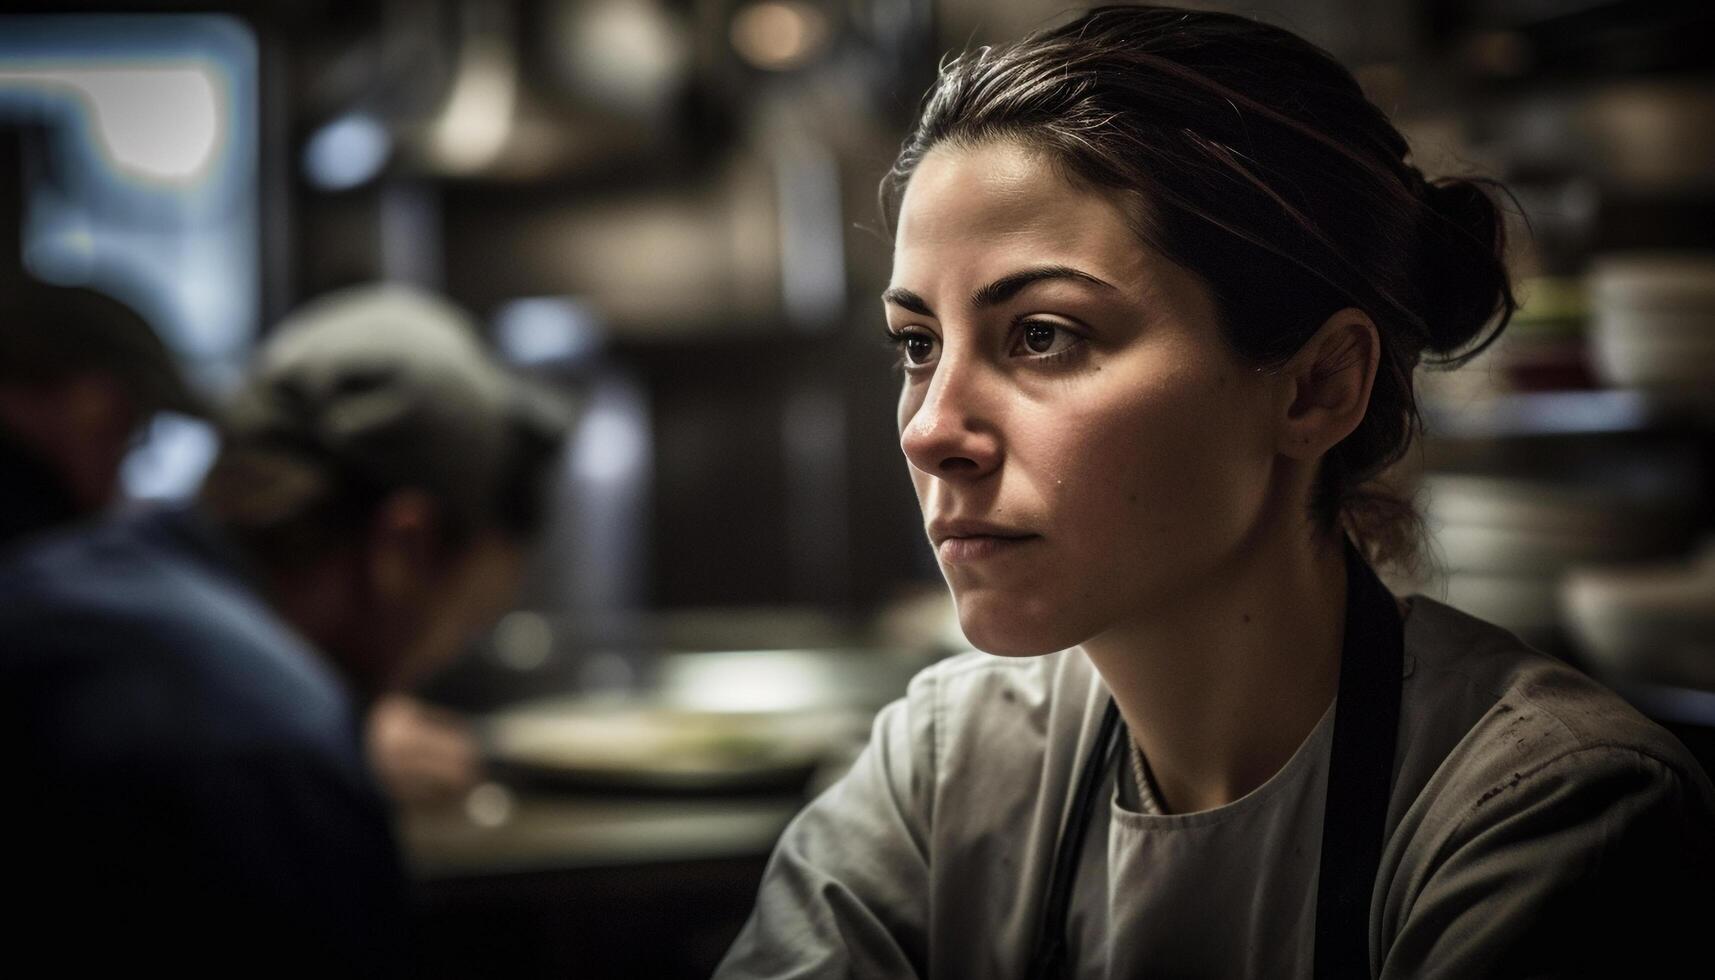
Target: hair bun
1463	281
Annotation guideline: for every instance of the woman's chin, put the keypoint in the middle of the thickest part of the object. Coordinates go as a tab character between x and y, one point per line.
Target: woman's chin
1011	632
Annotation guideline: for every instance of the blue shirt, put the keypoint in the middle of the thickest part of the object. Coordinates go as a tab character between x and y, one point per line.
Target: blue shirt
189	771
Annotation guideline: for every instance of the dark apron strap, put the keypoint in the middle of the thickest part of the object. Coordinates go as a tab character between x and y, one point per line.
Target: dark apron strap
1354	821
1360	772
1048	955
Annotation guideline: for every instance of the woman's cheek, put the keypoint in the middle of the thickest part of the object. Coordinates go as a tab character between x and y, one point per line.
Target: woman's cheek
910	399
1159	454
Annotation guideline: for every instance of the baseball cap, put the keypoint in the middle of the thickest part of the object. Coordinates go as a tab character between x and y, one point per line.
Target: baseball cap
49	331
390	387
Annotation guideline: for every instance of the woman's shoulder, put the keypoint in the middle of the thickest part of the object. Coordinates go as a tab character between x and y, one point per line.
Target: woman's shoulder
1040	708
1494	732
1474	682
1534	812
972	692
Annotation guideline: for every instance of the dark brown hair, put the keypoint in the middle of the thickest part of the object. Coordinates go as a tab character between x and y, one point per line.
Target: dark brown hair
1258	164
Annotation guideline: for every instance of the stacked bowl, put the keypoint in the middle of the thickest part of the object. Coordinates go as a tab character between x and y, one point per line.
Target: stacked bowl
1652	622
1504	544
1653	323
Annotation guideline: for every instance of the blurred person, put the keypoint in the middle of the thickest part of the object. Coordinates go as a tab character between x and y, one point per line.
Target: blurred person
1160	282
81	375
183	685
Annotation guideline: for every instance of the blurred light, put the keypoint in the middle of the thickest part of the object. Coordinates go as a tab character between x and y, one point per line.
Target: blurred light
523	641
489	805
543	330
161	123
812	236
746	681
625	52
347	152
603	510
778	35
172	459
473	128
611	444
150	194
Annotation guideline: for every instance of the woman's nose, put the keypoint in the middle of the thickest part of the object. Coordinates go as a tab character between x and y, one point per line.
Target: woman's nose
952	434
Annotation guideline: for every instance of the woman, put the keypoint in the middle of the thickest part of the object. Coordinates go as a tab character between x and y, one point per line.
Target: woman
1160	282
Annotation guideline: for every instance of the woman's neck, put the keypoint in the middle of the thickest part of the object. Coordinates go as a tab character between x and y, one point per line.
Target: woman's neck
1222	684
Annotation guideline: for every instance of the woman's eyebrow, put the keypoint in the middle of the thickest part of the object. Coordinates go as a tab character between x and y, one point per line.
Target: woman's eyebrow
907	299
997	292
1006	287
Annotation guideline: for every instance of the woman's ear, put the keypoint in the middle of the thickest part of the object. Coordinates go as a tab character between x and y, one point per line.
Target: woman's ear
1327	384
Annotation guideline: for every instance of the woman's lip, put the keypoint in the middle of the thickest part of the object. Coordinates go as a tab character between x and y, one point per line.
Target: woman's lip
977	547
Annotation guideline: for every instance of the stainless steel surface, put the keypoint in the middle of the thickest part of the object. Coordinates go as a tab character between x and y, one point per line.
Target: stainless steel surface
551	833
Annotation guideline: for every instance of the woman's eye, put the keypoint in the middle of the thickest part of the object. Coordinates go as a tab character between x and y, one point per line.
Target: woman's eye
919	348
1045	338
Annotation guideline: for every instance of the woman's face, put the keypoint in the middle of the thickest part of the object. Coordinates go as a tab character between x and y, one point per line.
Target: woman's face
1085	448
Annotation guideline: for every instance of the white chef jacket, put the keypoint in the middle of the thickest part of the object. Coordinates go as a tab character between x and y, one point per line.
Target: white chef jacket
1537	826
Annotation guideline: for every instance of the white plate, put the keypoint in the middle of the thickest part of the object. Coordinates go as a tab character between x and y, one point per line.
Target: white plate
647	745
